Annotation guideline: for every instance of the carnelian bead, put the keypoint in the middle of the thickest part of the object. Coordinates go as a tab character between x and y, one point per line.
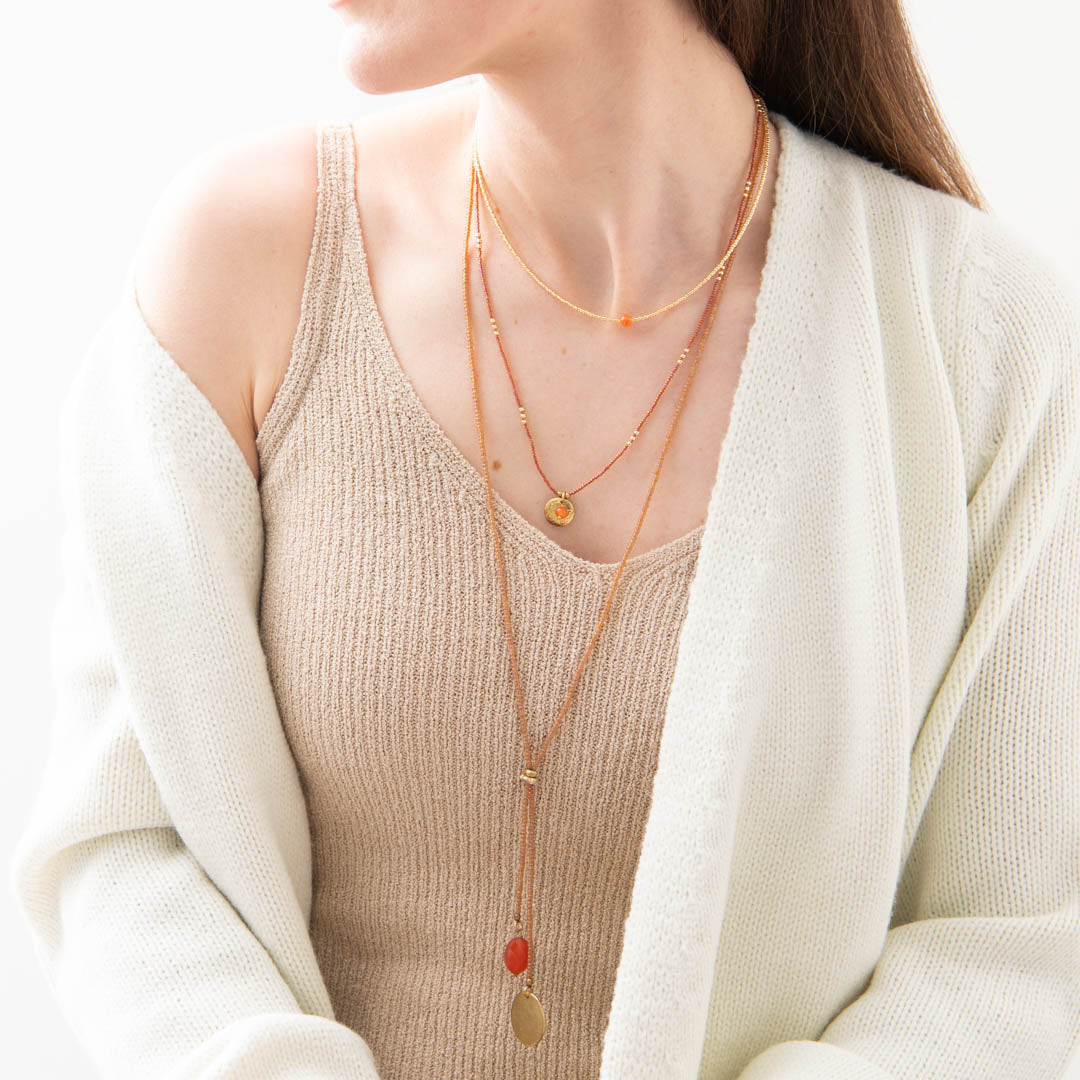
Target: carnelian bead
560	511
627	320
516	955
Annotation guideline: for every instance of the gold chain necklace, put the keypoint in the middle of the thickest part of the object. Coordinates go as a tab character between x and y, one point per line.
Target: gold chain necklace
527	1017
559	510
625	319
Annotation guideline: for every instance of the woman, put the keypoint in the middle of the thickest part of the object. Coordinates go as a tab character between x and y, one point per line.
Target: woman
413	444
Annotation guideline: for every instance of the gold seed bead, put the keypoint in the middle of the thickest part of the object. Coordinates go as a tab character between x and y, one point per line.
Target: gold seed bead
529	776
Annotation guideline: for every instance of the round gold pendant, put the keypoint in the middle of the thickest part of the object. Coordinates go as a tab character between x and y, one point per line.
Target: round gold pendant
559	510
527	1018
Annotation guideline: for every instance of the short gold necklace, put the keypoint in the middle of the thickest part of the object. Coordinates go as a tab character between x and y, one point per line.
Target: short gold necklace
624	319
527	1017
559	510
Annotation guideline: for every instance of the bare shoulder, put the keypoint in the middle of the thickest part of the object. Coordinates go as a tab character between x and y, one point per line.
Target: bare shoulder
220	265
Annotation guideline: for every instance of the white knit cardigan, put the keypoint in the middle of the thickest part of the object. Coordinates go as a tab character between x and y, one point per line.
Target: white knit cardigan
862	859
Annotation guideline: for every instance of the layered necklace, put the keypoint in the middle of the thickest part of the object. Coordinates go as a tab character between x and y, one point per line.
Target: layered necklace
558	509
527	1016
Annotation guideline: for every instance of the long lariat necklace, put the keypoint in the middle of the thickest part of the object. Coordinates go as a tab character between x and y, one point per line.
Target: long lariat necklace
527	1016
559	510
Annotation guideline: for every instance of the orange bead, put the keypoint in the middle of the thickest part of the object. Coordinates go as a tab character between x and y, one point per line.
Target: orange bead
516	955
627	320
560	511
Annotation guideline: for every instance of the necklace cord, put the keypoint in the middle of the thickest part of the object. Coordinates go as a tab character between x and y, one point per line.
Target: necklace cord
517	395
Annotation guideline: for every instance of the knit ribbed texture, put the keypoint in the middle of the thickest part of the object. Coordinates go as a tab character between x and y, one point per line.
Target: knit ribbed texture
383	628
861	852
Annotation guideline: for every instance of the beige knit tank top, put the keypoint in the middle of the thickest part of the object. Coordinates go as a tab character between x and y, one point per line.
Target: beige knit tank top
382	625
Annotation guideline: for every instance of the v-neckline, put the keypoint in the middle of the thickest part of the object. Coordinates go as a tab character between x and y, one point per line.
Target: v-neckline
512	525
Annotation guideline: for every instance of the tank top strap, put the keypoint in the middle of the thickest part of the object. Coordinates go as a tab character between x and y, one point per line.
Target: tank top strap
329	261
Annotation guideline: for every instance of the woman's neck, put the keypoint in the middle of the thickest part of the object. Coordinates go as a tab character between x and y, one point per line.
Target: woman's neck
616	151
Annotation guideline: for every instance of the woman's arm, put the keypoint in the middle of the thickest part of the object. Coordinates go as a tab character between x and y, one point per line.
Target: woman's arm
164	872
979	974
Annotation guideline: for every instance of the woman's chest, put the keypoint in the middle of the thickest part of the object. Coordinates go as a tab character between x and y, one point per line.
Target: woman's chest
567	403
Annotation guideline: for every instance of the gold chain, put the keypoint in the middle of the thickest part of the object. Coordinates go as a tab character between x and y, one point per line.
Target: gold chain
624	319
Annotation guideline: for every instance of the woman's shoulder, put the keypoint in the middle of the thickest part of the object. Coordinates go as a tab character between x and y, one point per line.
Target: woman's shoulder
219	267
1017	291
950	283
1015	351
993	285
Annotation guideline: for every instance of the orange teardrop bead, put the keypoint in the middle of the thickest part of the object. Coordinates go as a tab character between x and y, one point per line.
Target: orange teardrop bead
516	955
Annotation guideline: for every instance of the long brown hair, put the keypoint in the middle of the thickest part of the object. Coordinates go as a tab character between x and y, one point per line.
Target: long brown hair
846	70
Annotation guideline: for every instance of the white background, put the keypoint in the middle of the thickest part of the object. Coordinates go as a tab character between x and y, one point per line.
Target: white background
103	102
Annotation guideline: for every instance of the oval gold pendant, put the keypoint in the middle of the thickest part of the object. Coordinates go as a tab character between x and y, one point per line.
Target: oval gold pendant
527	1018
559	510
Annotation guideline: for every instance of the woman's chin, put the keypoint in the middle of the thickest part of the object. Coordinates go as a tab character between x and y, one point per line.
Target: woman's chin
377	65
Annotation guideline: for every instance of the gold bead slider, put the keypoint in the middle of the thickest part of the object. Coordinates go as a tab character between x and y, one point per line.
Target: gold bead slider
529	776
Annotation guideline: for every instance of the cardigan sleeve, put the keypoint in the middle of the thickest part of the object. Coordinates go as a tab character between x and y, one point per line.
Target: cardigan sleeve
979	975
168	960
